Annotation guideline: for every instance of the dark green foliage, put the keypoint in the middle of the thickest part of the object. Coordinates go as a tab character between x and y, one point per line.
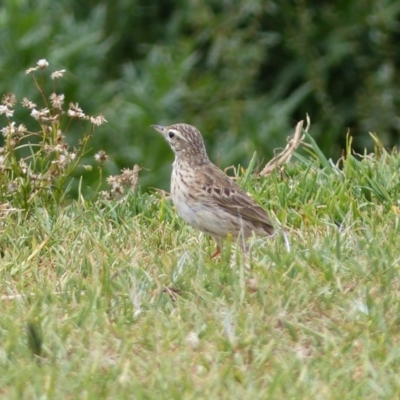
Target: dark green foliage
243	71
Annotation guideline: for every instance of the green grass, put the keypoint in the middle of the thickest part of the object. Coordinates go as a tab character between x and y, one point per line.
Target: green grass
119	299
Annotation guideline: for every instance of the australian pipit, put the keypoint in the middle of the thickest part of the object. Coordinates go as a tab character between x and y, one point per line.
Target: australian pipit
204	196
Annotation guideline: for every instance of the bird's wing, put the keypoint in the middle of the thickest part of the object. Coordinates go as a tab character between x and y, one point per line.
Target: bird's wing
219	189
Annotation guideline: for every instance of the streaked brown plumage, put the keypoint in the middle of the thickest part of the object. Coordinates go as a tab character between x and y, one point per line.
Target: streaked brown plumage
204	196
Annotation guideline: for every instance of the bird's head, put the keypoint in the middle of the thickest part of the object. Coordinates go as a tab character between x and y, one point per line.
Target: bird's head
185	141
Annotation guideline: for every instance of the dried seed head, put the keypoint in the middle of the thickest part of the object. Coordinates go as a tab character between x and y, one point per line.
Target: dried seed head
9	100
5	110
99	120
57	74
101	157
57	100
42	64
40	114
28	104
75	111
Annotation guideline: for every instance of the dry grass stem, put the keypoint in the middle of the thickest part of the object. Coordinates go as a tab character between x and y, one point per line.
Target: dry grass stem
285	155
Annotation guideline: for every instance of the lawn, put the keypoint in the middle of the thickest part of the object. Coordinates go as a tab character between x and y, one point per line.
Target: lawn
119	299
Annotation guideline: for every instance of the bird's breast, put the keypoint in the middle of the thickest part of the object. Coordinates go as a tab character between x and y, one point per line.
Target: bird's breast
182	192
193	210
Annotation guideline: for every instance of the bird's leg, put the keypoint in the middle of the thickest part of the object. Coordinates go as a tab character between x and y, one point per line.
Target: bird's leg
216	252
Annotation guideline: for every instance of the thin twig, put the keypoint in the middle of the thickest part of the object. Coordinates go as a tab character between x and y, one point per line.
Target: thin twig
285	155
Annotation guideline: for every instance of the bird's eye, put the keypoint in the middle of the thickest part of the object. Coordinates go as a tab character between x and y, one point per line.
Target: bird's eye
171	134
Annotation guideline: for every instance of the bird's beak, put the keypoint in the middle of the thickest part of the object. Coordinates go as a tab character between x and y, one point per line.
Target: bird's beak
158	128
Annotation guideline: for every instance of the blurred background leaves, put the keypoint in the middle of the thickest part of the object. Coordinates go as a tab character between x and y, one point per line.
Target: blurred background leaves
244	72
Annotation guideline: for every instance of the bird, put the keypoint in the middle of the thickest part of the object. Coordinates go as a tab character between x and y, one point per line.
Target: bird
204	196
